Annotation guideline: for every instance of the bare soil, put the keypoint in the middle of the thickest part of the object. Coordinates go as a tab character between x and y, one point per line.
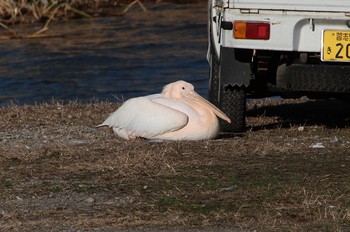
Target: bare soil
289	172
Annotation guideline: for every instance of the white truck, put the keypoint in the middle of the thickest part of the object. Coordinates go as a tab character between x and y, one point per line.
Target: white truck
290	48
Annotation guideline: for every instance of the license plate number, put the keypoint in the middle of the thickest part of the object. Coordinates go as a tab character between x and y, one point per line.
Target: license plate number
335	46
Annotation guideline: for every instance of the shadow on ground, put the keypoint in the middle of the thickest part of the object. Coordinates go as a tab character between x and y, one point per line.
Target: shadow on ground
329	113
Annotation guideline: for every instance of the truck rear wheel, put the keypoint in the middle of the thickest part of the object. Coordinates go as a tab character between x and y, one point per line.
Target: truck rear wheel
233	103
230	99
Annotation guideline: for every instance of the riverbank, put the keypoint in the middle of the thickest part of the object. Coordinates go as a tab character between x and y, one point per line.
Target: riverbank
288	172
14	12
43	13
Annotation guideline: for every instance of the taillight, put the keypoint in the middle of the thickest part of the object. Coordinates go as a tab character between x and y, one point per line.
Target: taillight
251	30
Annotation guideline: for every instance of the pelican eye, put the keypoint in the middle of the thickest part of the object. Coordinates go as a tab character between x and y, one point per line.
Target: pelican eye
183	87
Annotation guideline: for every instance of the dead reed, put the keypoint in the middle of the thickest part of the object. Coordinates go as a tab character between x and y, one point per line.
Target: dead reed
17	11
14	12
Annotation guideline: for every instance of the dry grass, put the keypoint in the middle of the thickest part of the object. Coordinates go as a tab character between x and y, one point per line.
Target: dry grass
14	11
58	172
46	11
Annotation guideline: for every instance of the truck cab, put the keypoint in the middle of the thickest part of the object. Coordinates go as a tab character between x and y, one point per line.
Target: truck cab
261	48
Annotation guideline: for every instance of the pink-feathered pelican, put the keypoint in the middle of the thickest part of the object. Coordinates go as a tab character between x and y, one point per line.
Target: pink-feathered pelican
178	113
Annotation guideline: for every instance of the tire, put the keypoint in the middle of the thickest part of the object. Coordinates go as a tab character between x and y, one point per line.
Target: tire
214	79
314	78
230	99
233	104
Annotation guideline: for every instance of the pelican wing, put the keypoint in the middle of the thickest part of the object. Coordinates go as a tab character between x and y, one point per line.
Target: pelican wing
145	117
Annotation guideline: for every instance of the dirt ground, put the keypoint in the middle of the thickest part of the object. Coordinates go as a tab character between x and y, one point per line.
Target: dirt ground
289	172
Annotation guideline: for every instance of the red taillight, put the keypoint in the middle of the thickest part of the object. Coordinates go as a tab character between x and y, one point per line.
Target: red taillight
251	30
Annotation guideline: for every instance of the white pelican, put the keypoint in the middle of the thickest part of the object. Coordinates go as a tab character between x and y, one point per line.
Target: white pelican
178	113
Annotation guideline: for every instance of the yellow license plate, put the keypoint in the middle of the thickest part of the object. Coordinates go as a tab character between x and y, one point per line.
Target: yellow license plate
335	46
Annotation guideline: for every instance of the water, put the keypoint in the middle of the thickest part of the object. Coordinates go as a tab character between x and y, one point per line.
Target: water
109	58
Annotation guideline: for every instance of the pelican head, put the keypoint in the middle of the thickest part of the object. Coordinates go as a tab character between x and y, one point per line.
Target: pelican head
182	90
177	90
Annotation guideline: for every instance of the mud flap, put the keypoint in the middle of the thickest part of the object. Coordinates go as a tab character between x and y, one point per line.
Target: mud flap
233	72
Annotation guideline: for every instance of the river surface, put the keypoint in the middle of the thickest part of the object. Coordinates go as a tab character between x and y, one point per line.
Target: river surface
109	58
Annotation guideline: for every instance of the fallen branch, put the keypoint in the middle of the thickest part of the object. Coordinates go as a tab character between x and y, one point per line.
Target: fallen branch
133	3
79	12
33	36
13	32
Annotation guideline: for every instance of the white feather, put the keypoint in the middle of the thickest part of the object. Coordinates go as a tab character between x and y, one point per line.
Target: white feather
135	118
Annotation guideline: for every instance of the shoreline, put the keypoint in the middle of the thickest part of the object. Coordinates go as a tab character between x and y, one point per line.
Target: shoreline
48	14
39	13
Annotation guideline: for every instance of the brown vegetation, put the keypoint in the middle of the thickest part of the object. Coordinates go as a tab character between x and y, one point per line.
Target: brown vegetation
24	11
288	172
46	11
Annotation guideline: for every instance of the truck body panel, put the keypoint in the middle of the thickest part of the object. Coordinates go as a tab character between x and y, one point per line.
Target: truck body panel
295	26
290	30
296	5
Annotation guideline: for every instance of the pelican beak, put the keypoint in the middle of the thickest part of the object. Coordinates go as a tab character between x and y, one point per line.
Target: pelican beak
196	97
